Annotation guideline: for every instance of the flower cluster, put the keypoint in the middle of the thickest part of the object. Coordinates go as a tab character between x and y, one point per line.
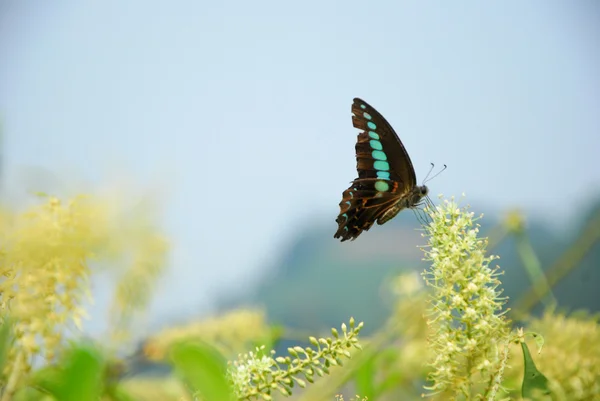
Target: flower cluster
45	263
45	275
465	314
257	374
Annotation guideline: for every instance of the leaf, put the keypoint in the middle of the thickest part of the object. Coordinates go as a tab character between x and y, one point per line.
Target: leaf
47	379
83	376
80	379
539	341
116	393
365	379
204	369
533	380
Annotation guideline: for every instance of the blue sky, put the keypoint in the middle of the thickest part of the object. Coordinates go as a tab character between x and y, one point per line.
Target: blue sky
236	114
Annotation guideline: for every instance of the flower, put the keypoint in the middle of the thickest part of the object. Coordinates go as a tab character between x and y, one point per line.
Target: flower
465	311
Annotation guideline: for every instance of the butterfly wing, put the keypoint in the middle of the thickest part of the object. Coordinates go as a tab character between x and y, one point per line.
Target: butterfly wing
362	204
390	149
385	173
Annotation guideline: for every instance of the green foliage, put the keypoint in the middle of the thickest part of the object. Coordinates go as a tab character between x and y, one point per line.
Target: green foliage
365	378
203	369
80	376
533	379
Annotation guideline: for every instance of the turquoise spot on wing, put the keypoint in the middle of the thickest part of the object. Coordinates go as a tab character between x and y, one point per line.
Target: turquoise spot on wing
373	135
345	228
351	194
382	186
367	116
362	106
382	166
375	144
383	174
371	125
345	216
378	155
348	203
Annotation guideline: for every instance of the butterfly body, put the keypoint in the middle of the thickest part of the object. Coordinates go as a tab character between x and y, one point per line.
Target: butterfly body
386	182
413	199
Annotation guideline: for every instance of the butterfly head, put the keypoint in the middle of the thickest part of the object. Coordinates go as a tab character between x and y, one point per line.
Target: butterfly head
418	193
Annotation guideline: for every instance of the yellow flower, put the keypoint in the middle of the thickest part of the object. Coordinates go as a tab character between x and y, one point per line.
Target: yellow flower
44	261
465	313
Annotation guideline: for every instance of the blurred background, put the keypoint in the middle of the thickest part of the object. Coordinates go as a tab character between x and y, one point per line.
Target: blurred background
233	120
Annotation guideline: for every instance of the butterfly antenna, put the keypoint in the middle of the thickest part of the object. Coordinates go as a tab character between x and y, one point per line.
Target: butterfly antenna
427	178
430	170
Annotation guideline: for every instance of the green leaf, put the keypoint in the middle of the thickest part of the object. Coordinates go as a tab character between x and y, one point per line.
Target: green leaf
80	379
534	382
83	376
539	341
365	379
116	393
204	369
47	380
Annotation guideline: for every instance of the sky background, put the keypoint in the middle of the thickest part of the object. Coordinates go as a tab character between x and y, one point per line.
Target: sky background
234	116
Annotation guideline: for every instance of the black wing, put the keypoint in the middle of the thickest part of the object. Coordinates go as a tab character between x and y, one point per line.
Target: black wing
385	173
376	128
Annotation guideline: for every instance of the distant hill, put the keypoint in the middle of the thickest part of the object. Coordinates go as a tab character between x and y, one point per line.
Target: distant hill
320	282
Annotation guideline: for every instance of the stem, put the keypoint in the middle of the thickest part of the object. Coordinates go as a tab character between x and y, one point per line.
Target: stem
533	268
13	379
567	262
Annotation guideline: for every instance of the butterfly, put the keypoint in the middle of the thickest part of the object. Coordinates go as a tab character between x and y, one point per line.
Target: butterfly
386	182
